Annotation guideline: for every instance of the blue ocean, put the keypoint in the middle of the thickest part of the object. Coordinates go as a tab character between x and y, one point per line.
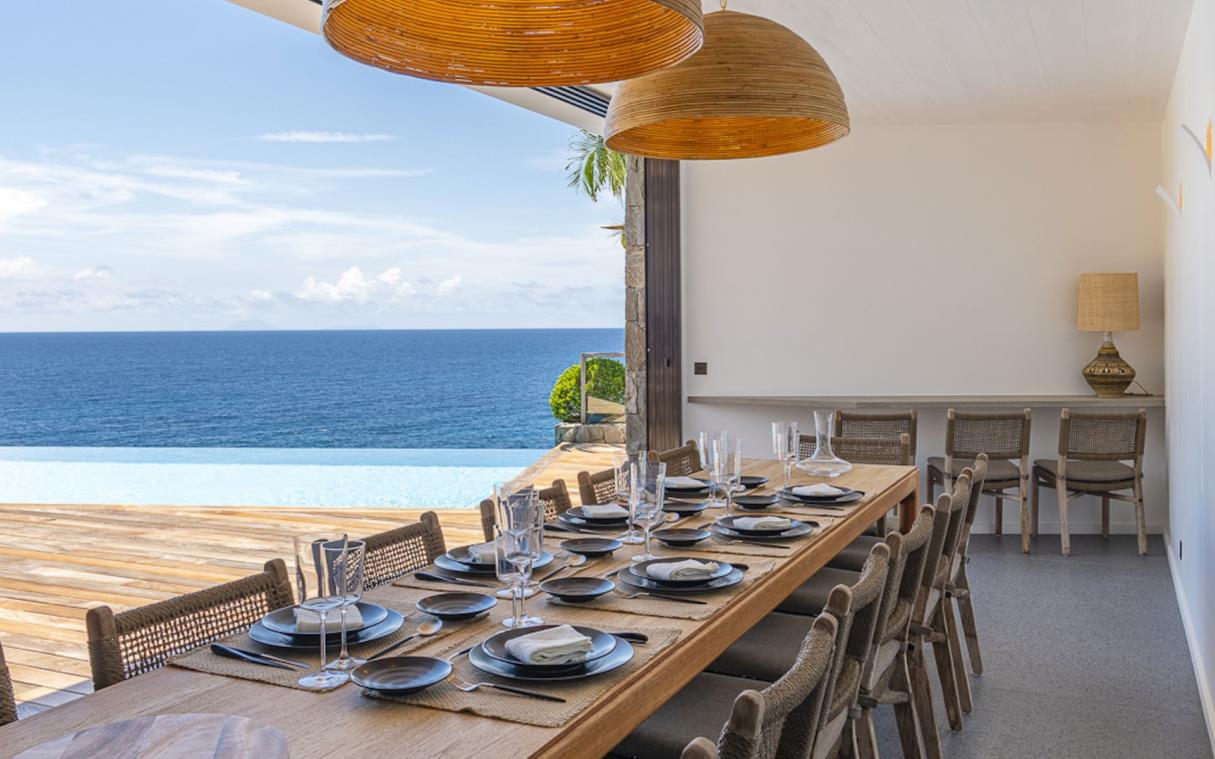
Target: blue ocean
417	418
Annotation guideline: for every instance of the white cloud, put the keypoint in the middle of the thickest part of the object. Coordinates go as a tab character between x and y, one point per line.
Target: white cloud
15	202
21	267
261	296
324	137
355	287
94	272
449	286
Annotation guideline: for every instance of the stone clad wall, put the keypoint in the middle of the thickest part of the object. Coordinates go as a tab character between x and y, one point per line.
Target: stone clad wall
634	306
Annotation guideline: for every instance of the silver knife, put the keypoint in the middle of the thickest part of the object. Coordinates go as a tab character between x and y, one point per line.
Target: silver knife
235	653
432	577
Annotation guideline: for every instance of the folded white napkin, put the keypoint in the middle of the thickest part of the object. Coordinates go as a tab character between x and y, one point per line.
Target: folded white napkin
605	510
684	482
556	645
819	491
482	553
308	621
689	569
763	523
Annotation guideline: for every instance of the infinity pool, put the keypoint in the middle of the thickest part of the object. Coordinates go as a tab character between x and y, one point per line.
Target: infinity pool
421	478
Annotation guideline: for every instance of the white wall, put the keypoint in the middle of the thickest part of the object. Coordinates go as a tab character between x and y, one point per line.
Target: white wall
859	268
1190	368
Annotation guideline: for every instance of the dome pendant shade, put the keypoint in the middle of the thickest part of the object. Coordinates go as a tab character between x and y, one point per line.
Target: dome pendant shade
515	43
755	89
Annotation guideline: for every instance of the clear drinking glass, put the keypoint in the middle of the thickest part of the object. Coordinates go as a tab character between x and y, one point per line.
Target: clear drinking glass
352	573
732	476
506	551
517	519
823	463
649	490
509	493
624	463
320	568
713	447
786	444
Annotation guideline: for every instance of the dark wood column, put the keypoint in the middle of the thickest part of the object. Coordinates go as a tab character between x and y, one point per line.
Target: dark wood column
663	309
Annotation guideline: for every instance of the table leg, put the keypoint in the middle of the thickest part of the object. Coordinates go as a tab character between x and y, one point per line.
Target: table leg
909	509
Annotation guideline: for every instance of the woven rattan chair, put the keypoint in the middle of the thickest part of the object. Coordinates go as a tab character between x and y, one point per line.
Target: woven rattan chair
140	640
597	488
957	591
8	701
680	461
762	724
880	425
1004	437
395	553
896	451
1092	449
555	497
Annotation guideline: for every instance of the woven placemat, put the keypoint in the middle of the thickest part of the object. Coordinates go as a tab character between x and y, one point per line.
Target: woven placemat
202	660
410	581
660	607
487	702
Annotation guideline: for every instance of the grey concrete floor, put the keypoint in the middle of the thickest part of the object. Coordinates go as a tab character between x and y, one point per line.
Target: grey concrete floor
1083	656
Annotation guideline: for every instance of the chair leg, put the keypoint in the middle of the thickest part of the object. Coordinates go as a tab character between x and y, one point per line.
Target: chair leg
1023	495
945	669
1140	517
904	713
999	515
921	699
966	610
866	736
1034	528
1105	516
1064	538
953	639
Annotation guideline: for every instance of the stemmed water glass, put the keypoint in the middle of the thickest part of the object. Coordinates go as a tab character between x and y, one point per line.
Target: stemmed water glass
320	578
713	450
351	589
786	443
515	550
649	490
506	492
730	461
624	465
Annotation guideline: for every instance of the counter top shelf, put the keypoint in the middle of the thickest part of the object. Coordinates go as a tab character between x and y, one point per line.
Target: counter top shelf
933	401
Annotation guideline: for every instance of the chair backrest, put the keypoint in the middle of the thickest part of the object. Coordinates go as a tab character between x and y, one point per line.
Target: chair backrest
894	451
758	718
949	510
597	488
1102	437
885	425
962	490
140	640
902	591
555	498
977	479
8	701
1001	435
394	553
680	461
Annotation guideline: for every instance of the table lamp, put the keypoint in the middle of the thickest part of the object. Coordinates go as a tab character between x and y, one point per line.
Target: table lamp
1108	303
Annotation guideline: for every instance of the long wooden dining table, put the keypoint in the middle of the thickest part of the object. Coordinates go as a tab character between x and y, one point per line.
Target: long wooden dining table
344	723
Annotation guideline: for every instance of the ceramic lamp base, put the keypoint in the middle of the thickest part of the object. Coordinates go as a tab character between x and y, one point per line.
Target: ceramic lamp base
1108	374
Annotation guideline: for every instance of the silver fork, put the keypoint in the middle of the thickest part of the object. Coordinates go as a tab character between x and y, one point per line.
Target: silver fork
642	593
470	687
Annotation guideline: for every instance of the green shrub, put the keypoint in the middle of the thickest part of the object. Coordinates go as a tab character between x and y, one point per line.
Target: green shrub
604	379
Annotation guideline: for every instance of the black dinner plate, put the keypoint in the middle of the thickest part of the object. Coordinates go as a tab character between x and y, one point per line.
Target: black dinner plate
602	644
641	569
456	606
620	655
264	635
627	577
788	494
462	555
681	536
731	524
806	528
755	502
577	590
752	481
283	620
400	675
579	513
683	507
592	548
442	561
569	521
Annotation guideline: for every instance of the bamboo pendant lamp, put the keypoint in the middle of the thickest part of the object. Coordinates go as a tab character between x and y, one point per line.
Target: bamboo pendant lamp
515	43
755	89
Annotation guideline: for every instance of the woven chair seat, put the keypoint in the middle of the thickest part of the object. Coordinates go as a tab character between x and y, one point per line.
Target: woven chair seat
998	470
852	558
8	701
1094	472
810	599
700	709
767	650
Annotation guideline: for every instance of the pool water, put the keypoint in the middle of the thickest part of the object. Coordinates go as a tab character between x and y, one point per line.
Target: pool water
362	478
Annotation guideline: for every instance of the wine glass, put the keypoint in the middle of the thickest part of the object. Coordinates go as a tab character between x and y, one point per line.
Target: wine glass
624	464
351	573
786	443
732	473
320	563
517	521
505	494
649	489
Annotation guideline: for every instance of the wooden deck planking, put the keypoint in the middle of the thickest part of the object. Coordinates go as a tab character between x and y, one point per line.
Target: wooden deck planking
59	560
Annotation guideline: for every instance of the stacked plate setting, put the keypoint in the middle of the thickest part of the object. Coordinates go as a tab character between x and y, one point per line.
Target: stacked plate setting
729	528
578	518
607	653
459	562
638	577
279	629
845	497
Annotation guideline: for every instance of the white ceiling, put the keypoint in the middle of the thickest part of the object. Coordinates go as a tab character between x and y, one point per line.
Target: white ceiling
945	61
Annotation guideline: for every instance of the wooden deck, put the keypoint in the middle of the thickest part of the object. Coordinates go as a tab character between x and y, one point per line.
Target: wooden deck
57	561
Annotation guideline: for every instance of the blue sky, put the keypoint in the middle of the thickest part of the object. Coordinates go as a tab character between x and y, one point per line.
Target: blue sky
195	165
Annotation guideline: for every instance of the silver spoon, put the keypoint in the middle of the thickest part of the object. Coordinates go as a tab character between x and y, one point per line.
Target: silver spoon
429	626
575	561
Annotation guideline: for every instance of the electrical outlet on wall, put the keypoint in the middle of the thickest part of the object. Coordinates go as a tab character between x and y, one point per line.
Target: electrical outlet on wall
700	367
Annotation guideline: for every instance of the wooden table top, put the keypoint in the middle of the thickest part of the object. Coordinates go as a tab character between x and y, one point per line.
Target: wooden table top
343	723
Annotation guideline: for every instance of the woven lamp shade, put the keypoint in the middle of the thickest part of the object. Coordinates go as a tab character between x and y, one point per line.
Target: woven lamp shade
1108	303
515	43
754	89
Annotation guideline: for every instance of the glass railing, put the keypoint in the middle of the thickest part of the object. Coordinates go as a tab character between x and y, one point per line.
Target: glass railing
601	387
